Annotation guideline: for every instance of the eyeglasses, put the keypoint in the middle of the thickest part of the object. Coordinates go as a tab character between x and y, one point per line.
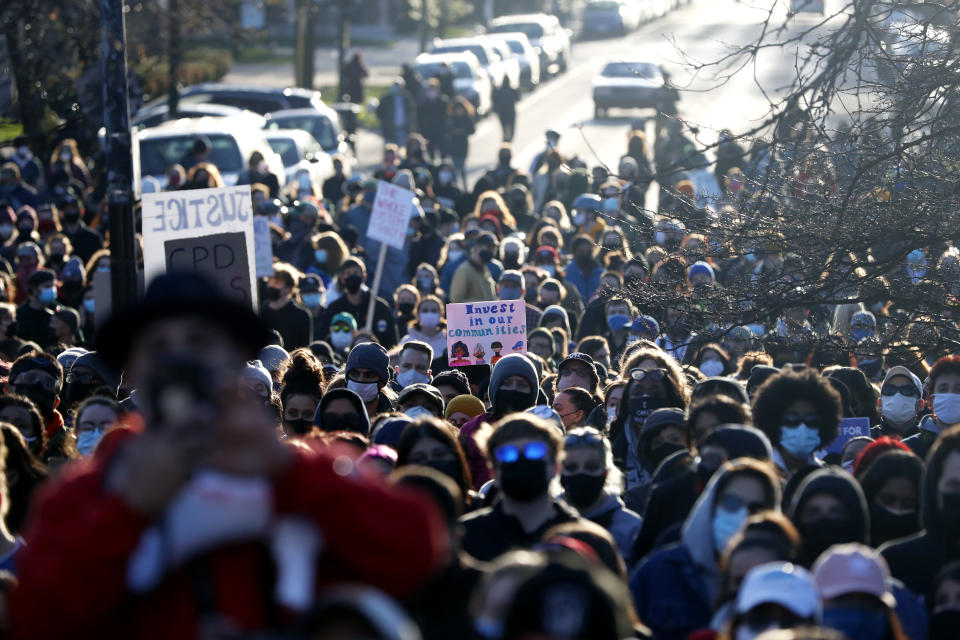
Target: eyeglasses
794	420
654	374
82	378
42	378
732	502
582	438
509	453
904	389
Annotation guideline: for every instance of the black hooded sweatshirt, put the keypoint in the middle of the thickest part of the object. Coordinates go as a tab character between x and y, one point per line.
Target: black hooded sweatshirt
843	487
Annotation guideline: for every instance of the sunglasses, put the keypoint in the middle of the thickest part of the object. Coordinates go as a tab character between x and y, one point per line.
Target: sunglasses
510	453
582	438
654	374
794	420
82	378
35	377
904	389
341	328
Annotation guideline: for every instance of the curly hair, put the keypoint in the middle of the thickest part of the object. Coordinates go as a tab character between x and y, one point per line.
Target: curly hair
780	390
677	388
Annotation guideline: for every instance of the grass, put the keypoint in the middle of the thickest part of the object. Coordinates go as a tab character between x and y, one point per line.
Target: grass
263	54
9	130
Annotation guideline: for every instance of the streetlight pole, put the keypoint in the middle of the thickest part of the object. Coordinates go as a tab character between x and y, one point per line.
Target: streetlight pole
119	158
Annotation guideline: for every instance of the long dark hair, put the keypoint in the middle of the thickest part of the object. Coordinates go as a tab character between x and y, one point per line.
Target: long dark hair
30	473
441	432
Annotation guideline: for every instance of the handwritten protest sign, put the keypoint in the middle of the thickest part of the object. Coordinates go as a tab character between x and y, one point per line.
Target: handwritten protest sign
262	246
209	231
484	332
850	428
391	215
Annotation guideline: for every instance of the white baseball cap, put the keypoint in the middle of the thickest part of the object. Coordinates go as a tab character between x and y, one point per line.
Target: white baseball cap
782	583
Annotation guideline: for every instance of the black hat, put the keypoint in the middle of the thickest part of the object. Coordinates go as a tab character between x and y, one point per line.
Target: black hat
179	294
310	284
369	355
486	238
41	277
426	390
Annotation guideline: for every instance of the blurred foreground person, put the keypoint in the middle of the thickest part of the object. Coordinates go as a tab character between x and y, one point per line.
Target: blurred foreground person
202	519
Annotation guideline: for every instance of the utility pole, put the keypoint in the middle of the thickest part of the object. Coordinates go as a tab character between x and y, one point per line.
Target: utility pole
174	56
343	43
304	71
424	24
119	159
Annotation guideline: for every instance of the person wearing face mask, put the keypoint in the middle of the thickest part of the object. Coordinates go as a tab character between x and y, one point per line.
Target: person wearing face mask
430	442
900	402
34	314
577	370
258	171
426	281
575	406
944	603
281	311
854	582
342	410
420	400
512	287
93	419
943	387
428	326
655	381
687	572
891	485
10	344
311	295
917	560
584	271
828	508
525	454
472	281
800	413
514	386
39	377
302	389
355	300
775	595
413	366
342	330
405	300
13	190
31	172
619	313
592	484
367	372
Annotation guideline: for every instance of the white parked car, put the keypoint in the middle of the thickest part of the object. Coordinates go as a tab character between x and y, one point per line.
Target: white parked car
546	34
232	141
511	61
323	124
469	78
299	151
611	17
628	84
483	50
519	43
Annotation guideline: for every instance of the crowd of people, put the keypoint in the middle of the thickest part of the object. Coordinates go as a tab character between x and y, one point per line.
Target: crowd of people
659	463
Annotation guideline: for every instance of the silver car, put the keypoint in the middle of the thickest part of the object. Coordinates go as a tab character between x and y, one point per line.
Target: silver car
519	43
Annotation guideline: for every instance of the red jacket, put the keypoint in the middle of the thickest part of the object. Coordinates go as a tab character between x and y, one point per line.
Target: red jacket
81	537
479	469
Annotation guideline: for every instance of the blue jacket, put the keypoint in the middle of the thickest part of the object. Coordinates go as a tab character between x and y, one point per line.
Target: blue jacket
587	284
622	523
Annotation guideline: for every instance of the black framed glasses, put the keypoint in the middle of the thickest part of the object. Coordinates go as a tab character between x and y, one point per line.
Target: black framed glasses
653	374
908	390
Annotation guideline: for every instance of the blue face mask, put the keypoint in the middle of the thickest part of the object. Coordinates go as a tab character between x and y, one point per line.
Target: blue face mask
799	441
88	304
320	255
311	300
48	295
856	623
726	524
617	321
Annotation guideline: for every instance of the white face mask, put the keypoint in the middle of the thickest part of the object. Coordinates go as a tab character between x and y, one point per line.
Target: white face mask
429	320
340	340
366	390
411	376
898	408
87	442
414	413
946	406
711	368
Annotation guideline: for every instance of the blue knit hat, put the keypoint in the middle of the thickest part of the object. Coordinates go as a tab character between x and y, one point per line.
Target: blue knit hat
369	355
701	268
646	324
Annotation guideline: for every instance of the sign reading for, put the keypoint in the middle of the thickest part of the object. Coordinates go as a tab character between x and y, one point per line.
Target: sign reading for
484	332
850	428
391	215
209	231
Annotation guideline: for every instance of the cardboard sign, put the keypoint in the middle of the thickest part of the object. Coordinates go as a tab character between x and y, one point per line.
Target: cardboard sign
391	215
484	332
209	231
263	248
850	428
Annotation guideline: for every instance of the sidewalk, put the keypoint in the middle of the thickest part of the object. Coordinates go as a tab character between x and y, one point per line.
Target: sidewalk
382	61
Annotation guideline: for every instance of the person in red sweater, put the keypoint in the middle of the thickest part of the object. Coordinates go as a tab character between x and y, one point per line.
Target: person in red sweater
203	520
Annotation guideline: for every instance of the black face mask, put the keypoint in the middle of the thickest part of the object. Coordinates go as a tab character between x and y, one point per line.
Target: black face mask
510	402
272	293
449	468
352	283
12	329
582	489
45	400
944	625
299	426
71	217
406	308
887	525
662	452
643	407
524	480
704	473
820	535
77	392
486	256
